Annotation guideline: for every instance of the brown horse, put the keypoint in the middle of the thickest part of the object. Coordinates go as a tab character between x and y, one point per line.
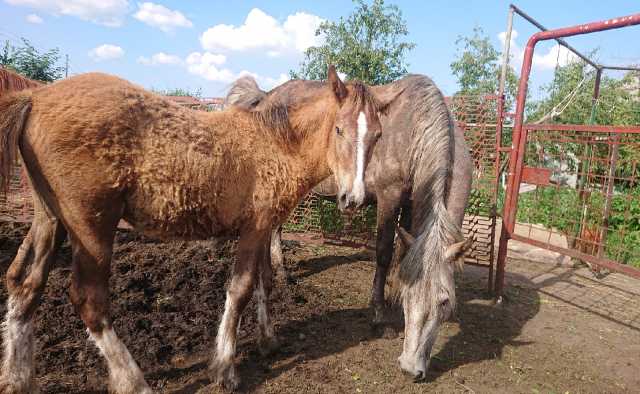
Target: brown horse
98	149
421	170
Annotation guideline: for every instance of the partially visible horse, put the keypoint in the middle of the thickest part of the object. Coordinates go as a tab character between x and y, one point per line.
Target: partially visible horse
421	170
98	149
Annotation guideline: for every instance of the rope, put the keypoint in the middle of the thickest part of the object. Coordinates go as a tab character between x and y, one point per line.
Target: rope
562	105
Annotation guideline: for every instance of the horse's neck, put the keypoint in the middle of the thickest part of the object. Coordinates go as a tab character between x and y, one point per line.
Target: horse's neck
311	152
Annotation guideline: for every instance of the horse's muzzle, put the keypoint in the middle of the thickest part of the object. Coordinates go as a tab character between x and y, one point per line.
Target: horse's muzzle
346	203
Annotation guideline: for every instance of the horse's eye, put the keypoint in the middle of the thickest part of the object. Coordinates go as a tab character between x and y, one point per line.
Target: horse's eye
338	130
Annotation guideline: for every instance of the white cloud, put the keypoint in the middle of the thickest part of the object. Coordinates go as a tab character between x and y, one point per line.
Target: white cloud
208	66
161	17
555	55
159	58
273	82
263	31
33	18
106	52
546	61
104	12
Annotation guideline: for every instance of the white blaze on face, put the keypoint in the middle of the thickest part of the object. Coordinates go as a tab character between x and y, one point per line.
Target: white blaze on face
358	181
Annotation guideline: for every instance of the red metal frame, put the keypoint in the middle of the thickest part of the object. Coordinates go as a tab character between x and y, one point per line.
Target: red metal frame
519	143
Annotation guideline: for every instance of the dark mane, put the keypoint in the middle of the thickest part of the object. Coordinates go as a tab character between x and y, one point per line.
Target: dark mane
274	119
361	96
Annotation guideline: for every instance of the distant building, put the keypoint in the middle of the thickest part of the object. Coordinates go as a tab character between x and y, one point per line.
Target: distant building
204	104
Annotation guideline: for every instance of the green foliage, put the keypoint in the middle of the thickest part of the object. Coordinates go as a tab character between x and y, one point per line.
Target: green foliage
477	67
367	46
617	105
31	63
561	209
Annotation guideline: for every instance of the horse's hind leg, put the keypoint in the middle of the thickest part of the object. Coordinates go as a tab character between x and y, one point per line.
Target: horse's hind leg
267	342
92	245
252	249
26	280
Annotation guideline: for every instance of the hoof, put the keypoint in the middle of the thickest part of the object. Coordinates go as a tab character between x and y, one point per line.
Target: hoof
224	374
378	315
268	346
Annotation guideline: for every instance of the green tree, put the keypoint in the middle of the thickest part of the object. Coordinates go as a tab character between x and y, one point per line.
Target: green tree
477	67
618	103
28	61
368	46
8	56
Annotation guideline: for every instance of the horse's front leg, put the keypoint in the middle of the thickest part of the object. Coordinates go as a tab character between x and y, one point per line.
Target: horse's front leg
277	258
387	216
252	247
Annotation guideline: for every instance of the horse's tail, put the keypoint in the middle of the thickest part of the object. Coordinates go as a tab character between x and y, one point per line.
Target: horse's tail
245	93
438	243
14	112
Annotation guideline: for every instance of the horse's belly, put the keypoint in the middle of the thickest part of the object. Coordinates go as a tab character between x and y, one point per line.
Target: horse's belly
166	218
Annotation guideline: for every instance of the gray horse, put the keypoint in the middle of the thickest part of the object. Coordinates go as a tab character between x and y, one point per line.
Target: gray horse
420	172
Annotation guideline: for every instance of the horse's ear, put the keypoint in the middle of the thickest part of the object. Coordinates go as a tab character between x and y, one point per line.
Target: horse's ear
337	86
385	96
407	239
455	253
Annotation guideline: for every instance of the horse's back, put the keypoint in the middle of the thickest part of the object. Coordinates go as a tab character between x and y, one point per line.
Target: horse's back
177	172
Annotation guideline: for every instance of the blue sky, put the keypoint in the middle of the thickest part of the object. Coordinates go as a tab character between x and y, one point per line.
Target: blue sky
206	44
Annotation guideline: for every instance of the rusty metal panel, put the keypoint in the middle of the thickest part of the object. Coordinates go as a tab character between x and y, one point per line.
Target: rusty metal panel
536	176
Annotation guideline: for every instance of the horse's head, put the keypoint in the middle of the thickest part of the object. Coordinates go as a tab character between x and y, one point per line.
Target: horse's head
428	293
354	133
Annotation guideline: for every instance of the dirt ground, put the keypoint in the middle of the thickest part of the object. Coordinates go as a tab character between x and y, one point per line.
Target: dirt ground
561	330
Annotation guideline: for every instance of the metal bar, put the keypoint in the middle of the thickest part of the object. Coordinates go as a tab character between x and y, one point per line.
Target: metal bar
505	53
610	24
496	186
503	78
596	96
518	145
613	161
582	128
604	263
621	68
586	164
558	40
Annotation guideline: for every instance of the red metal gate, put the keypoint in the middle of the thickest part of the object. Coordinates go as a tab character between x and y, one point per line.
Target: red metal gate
601	163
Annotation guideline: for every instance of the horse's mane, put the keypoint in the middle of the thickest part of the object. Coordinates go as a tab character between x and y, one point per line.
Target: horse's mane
245	93
361	96
274	118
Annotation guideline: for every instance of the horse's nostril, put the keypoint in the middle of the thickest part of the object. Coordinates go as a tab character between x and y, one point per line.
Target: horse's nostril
419	376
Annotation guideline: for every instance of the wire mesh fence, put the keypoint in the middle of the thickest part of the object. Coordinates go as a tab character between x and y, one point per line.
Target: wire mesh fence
478	117
579	192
